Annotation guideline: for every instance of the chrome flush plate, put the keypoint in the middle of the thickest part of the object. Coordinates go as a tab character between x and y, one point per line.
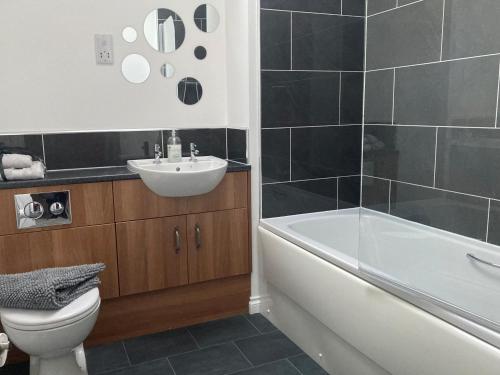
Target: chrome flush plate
40	210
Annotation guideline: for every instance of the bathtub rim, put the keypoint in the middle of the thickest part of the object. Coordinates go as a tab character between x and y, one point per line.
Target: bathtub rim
440	309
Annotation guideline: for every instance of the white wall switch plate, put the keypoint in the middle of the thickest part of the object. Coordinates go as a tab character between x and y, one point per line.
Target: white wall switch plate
104	49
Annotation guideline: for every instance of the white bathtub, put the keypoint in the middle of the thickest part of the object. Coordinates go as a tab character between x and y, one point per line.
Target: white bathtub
311	264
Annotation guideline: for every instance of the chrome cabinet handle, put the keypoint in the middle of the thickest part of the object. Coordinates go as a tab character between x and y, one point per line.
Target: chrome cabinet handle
177	240
482	261
197	231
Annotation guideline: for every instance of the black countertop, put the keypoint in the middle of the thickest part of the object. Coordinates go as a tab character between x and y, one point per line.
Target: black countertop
82	176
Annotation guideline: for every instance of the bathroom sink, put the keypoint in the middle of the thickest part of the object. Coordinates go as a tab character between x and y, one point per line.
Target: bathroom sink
184	179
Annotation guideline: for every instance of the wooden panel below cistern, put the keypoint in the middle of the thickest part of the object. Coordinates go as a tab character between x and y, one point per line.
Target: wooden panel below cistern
62	248
91	204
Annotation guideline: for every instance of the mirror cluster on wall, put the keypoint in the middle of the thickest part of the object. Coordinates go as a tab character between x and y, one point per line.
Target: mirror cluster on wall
165	32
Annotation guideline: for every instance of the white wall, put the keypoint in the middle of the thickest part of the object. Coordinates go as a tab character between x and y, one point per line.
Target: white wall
49	80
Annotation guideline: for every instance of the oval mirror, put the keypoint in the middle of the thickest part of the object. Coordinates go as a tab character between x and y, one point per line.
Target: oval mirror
189	91
207	18
200	52
167	70
135	68
164	30
129	34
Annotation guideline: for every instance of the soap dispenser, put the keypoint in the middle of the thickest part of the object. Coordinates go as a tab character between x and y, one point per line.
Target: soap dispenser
174	148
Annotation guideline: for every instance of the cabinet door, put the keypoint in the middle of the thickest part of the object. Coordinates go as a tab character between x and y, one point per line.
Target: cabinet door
218	245
152	254
63	248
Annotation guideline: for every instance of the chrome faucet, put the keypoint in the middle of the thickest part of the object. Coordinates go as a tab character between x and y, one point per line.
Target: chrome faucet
158	154
194	152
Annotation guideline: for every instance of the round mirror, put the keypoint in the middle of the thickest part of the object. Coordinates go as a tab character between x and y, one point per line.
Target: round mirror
200	52
164	30
135	68
167	70
189	91
207	18
129	34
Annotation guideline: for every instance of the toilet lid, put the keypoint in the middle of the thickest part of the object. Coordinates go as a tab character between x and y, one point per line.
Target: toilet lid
35	320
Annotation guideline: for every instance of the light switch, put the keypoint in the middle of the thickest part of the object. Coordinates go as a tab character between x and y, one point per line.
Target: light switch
104	49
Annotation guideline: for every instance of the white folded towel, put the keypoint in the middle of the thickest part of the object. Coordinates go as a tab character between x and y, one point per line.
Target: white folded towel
16	161
36	171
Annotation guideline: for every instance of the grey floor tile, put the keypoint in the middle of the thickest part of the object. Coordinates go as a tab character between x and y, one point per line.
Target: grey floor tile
216	360
261	323
307	366
268	348
224	330
159	367
159	345
282	367
106	357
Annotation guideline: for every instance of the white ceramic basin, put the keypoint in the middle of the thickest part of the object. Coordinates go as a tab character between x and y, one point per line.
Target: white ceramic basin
184	179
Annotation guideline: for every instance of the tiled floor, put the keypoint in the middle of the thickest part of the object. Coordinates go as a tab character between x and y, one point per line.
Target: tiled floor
240	345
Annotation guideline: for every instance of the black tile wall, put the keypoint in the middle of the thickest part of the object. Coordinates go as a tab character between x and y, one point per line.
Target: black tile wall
351	97
375	195
405	35
104	149
327	42
208	141
89	150
276	40
494	224
400	153
375	6
309	162
349	192
378	97
302	197
329	151
471	28
468	161
299	98
319	6
275	155
237	145
453	212
442	170
354	7
29	143
456	93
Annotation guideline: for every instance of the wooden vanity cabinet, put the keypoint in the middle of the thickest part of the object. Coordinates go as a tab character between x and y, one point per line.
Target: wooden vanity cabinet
212	230
152	254
218	245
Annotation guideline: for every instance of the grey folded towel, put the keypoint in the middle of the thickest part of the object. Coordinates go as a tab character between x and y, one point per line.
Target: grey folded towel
48	289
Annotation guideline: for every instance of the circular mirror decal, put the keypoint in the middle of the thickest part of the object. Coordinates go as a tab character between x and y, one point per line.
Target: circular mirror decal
135	68
129	34
189	91
200	52
167	70
164	30
207	18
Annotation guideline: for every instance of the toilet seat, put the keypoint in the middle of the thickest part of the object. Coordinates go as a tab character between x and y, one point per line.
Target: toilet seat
36	320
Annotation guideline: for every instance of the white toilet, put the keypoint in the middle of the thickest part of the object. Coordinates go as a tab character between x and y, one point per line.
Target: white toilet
54	339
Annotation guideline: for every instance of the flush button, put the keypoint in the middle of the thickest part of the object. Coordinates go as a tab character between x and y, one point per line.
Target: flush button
33	210
56	208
